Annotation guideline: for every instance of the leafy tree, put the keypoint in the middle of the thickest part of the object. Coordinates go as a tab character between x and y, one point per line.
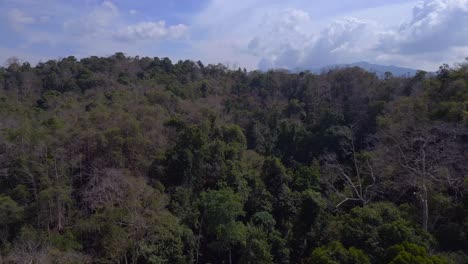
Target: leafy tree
378	226
336	253
10	211
257	248
411	253
126	159
220	210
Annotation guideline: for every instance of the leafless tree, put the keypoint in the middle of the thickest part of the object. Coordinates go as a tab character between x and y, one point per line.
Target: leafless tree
419	155
427	158
117	188
359	180
27	251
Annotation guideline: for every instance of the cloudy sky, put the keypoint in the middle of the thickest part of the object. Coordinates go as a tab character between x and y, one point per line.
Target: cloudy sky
246	33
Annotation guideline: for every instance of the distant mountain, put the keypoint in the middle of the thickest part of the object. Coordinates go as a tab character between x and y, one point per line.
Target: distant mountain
378	69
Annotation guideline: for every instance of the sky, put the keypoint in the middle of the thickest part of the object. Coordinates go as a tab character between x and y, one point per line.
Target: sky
255	34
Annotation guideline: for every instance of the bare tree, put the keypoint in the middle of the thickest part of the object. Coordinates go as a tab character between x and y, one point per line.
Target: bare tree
421	156
26	251
116	188
354	182
426	158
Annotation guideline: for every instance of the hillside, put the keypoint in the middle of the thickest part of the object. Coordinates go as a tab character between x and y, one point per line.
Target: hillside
378	69
141	160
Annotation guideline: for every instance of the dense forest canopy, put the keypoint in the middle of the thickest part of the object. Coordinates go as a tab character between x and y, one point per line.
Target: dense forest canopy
139	160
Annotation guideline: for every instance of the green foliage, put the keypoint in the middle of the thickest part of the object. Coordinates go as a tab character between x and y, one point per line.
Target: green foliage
312	205
221	209
379	226
307	177
257	248
141	160
335	253
264	220
407	253
275	175
65	242
10	211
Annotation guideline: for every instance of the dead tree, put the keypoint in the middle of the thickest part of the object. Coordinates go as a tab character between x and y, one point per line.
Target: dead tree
425	159
358	177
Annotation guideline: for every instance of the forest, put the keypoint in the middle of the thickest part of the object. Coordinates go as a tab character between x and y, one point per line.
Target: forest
141	160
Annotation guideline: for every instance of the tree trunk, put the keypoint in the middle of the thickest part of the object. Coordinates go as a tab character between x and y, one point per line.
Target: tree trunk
59	215
425	206
197	255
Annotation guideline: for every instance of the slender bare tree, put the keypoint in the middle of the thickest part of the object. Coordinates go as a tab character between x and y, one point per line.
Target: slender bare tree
358	180
421	156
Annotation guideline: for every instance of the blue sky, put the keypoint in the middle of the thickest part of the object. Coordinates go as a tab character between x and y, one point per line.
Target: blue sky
246	33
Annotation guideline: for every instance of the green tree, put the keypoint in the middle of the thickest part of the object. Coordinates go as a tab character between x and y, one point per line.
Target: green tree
335	253
221	210
257	248
10	211
378	226
408	253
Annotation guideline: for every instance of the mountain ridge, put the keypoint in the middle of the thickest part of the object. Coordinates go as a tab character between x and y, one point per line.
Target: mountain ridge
378	69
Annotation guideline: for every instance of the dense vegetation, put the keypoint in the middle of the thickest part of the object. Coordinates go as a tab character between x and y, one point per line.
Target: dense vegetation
139	160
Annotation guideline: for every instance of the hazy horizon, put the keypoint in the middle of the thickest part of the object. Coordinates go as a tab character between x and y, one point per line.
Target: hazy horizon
251	34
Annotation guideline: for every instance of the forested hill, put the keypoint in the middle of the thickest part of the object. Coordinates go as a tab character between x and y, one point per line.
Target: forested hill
379	70
140	160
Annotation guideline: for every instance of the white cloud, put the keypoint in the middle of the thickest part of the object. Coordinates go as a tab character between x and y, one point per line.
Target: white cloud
104	15
57	29
249	33
434	33
287	42
288	34
18	19
345	40
222	31
105	23
151	31
283	39
284	29
96	22
435	25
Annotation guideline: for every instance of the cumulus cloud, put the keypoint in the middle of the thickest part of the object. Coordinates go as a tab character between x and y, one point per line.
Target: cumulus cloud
107	23
282	30
433	33
435	25
151	31
254	33
18	19
287	42
343	41
55	28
